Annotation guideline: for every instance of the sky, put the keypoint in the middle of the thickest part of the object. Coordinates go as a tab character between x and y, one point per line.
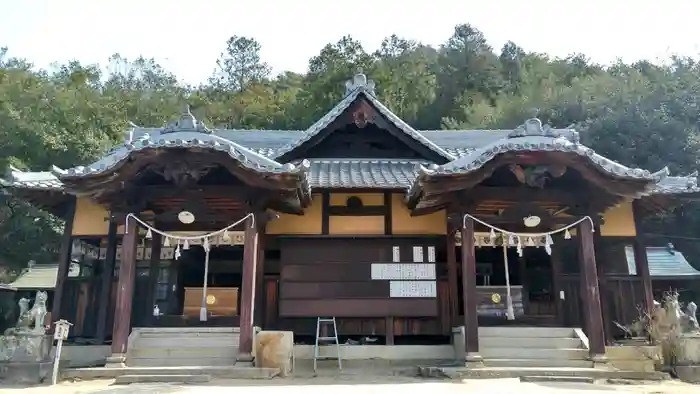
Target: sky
186	37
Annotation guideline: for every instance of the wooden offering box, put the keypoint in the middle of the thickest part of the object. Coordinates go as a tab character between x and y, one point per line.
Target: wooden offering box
491	300
221	301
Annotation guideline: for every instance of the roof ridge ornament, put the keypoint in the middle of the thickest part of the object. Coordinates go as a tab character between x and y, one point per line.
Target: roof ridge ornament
534	127
359	81
187	122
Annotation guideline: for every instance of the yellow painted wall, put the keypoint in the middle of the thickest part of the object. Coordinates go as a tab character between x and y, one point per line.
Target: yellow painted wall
90	218
368	199
403	223
619	221
308	223
356	225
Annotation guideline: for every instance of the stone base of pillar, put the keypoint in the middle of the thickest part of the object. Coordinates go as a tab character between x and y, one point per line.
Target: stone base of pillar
244	357
600	361
116	360
473	360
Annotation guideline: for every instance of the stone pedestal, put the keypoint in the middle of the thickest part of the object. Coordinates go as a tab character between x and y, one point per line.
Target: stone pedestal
116	361
688	358
25	358
275	349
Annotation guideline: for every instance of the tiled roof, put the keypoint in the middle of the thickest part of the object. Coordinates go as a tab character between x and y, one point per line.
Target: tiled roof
38	277
677	185
43	180
356	87
664	262
362	173
186	132
533	137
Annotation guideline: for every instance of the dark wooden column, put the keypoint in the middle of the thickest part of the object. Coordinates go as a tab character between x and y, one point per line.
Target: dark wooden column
590	293
125	294
556	280
106	281
250	257
259	314
154	273
641	260
471	322
452	276
64	260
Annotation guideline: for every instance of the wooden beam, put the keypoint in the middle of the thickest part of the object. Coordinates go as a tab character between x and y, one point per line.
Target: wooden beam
641	260
250	257
64	260
325	219
125	295
471	322
370	210
154	271
388	221
452	275
590	293
106	281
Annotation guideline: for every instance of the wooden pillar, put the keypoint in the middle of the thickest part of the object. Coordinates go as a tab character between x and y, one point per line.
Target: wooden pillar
452	276
259	315
590	293
125	294
106	282
641	260
64	260
250	257
556	281
154	273
471	322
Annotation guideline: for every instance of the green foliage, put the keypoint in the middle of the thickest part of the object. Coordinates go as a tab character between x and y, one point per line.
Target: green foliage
640	114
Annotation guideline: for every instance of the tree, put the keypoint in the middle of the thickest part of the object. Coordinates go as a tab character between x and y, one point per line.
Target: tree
240	65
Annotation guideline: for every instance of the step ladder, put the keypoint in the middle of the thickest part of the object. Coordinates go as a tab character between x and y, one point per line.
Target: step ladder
326	341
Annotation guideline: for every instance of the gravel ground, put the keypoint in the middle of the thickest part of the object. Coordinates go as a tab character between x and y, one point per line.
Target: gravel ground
355	384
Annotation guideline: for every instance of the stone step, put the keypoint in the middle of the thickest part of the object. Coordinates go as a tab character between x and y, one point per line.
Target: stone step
129	379
459	373
180	362
189	336
197	342
183	352
228	372
534	354
527	332
558	379
537	363
537	342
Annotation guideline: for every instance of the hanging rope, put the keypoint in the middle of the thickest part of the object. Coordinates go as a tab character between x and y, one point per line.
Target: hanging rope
185	238
510	313
550	233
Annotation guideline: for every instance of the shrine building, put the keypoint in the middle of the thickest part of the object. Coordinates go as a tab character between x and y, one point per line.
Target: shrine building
402	235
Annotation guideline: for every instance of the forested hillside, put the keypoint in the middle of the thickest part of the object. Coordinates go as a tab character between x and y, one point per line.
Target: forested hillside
640	114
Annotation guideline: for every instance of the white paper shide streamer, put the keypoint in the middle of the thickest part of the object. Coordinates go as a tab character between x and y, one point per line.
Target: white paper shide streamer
519	240
185	240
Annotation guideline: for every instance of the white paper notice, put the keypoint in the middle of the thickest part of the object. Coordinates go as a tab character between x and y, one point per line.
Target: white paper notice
417	254
412	289
431	254
383	271
396	254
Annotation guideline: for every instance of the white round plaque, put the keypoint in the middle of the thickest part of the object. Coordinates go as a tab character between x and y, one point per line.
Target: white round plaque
185	217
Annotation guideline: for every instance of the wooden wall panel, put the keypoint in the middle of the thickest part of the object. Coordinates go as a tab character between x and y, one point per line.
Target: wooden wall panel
335	290
333	277
358	307
331	272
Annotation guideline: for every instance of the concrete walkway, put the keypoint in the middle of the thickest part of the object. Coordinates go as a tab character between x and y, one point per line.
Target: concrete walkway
357	385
